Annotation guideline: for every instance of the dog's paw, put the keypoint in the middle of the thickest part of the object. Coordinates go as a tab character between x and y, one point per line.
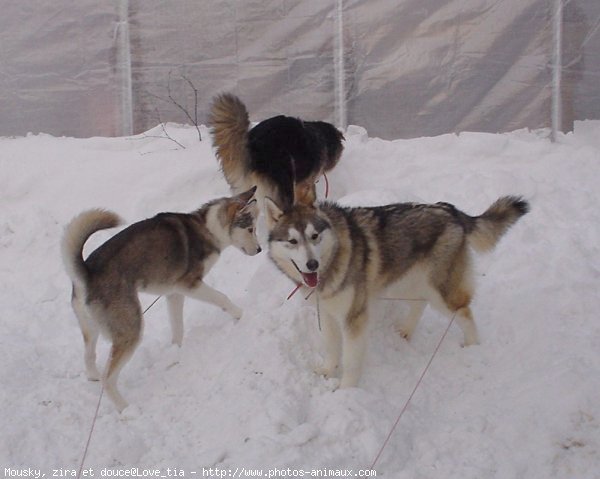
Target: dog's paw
93	375
332	384
470	342
237	312
404	331
325	371
131	412
470	336
348	381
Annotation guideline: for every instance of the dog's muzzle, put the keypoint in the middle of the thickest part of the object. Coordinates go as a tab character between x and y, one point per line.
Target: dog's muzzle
310	278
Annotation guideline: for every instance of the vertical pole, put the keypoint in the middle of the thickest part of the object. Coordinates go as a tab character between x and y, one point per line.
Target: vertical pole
124	49
557	67
341	116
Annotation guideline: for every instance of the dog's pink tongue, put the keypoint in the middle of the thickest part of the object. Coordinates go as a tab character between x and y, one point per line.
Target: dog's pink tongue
311	279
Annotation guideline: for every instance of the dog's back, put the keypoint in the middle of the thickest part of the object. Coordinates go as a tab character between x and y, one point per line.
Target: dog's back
177	243
331	138
303	148
404	234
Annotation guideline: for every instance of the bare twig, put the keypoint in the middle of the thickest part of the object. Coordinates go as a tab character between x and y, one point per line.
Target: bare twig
164	129
193	87
183	109
171	99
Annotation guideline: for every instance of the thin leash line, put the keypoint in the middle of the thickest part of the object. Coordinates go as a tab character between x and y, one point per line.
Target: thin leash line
326	185
401	299
318	311
87	444
407	403
89	439
298	286
387	439
151	304
419	381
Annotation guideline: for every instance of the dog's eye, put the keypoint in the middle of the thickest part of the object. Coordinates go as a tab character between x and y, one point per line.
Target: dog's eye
250	230
293	241
314	236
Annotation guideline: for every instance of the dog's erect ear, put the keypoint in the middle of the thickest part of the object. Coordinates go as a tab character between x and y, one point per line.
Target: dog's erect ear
246	196
250	207
305	194
243	202
273	212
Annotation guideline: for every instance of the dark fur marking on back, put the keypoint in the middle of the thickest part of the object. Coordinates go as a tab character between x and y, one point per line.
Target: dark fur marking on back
464	220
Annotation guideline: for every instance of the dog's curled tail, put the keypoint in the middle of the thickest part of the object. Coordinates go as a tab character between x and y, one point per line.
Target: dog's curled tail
76	234
229	123
495	221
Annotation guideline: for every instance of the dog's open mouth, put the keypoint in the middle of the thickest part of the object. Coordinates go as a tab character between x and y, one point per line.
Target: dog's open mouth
310	279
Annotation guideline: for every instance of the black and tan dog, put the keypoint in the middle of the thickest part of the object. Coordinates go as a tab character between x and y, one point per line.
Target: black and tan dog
280	155
169	254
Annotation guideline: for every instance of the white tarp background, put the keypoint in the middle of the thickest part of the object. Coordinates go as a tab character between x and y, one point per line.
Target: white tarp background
411	67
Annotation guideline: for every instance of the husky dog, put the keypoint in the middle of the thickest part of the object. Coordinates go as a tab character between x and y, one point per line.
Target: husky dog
281	154
350	254
169	254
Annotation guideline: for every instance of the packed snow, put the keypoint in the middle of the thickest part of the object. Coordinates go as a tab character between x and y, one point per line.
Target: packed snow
525	403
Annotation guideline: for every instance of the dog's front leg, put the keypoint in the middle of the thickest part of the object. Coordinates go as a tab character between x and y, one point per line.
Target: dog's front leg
175	307
354	345
204	292
333	344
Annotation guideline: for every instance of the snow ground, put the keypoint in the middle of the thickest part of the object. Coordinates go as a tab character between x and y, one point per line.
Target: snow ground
523	404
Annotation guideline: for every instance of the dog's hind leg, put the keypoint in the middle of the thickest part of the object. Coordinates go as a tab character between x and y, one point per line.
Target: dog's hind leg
89	331
125	333
120	353
453	289
464	317
406	326
175	307
204	292
456	304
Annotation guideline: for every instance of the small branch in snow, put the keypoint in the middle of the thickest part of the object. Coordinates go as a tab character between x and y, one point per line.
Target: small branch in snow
193	119
164	129
184	110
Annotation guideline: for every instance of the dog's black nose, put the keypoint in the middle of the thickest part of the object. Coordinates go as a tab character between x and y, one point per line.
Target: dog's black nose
258	250
312	264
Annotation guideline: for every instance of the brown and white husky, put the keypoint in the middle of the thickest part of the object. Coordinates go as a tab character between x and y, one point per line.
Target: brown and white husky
169	254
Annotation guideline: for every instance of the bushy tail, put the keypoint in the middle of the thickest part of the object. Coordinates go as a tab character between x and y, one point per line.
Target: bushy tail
229	123
495	221
76	234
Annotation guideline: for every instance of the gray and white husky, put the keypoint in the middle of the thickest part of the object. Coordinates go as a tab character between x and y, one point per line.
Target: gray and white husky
350	254
169	254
